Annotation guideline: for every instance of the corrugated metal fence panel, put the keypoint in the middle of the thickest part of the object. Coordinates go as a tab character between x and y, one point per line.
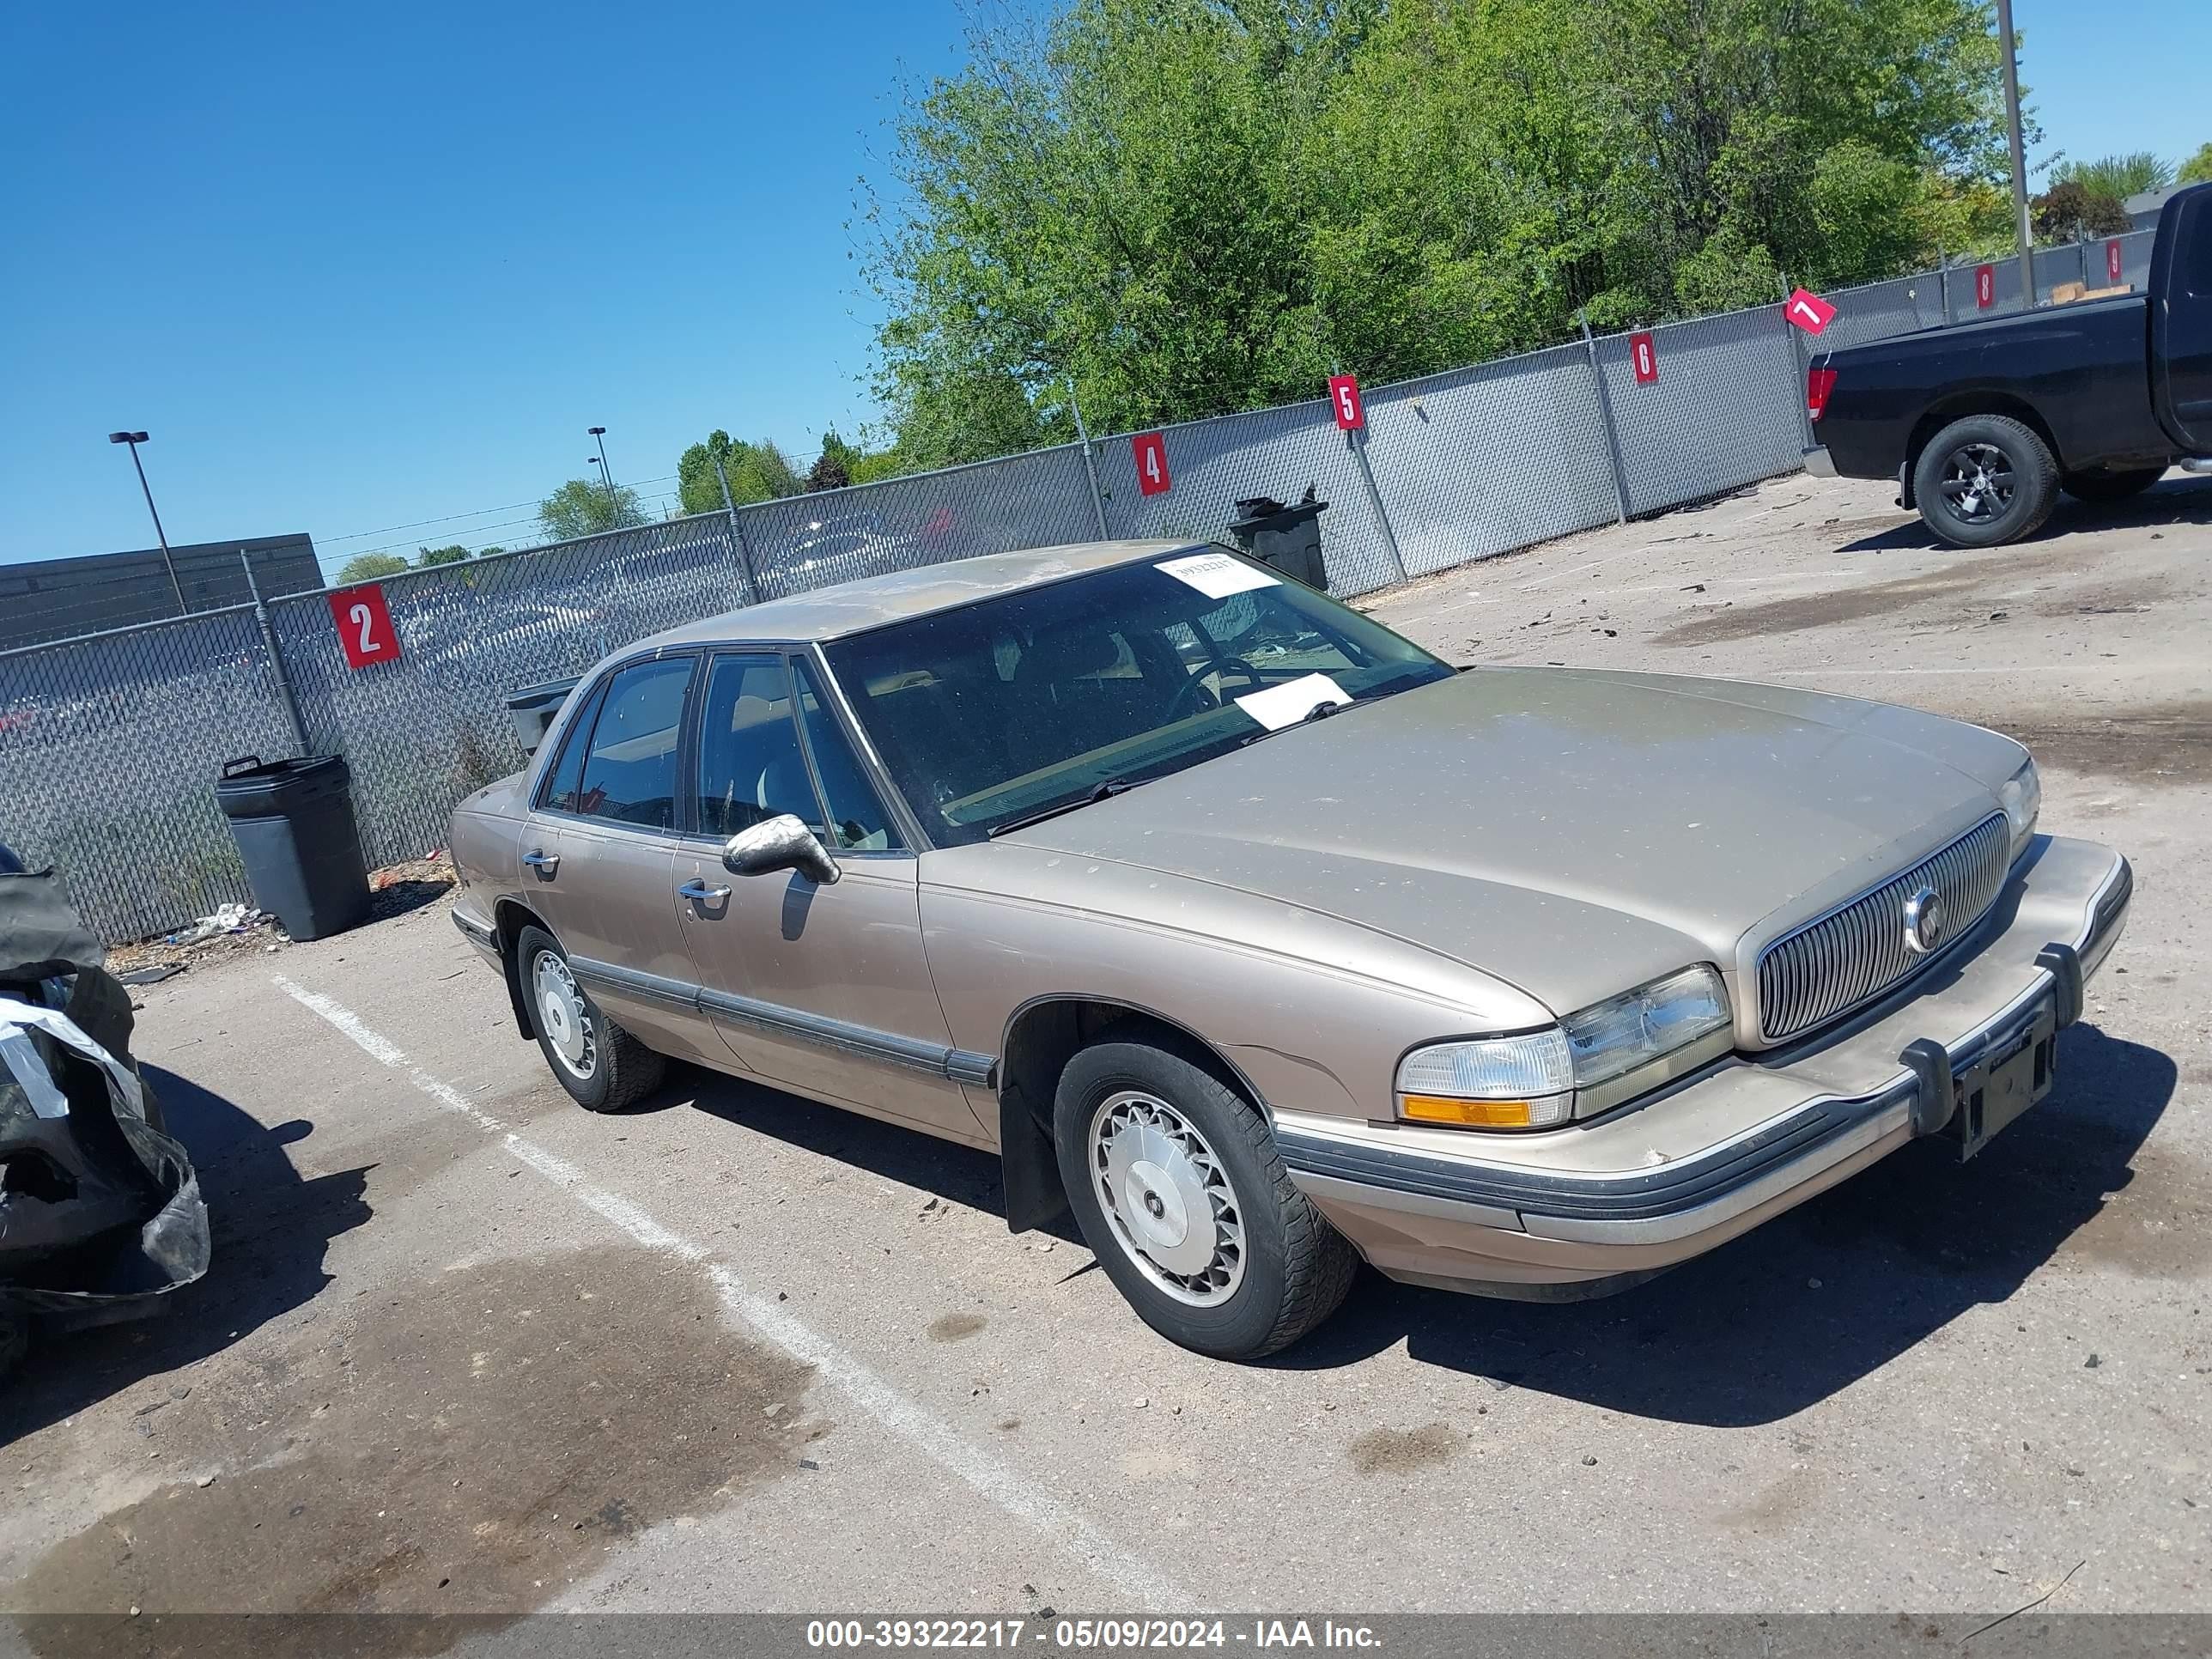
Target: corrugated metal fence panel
110	746
1485	459
1041	499
422	732
1727	410
1213	465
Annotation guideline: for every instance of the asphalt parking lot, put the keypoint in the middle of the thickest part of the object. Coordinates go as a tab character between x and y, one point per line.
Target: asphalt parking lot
468	1348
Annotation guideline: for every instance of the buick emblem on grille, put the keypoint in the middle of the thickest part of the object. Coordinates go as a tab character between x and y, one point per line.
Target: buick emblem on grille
1923	922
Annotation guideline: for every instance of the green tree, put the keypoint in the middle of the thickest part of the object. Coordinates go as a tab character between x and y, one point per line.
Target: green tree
436	555
2069	212
758	472
1188	206
584	506
2198	169
2116	176
369	567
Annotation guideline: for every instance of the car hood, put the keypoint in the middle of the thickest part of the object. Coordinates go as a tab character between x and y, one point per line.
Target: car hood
1568	831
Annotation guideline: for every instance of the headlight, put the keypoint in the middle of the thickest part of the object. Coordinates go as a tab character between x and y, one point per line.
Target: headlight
2021	799
1536	1079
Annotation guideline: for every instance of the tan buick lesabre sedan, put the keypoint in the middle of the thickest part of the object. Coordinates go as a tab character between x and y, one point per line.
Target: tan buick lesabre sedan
1266	943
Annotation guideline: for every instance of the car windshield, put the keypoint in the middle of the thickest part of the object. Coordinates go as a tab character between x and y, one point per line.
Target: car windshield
1012	706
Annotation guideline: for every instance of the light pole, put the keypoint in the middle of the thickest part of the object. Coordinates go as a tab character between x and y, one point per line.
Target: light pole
134	439
606	474
2008	44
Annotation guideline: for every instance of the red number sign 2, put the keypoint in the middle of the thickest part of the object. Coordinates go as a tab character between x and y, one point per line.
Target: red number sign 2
1644	358
365	628
1344	401
1985	286
1151	450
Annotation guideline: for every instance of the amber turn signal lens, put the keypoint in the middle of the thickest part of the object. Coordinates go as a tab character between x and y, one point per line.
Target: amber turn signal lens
1465	1114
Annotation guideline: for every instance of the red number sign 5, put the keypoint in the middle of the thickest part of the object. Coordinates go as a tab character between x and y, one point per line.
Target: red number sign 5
1344	401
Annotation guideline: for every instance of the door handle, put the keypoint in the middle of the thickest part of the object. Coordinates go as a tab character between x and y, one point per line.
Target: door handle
699	893
547	865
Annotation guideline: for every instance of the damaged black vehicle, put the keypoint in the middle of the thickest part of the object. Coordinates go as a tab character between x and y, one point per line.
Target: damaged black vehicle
100	1214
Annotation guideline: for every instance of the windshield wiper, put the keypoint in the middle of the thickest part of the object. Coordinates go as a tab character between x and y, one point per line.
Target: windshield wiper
1320	711
1105	791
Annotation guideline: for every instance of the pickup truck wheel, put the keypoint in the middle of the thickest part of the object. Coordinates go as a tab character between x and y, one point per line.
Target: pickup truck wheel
1178	1187
1985	481
2110	486
603	1067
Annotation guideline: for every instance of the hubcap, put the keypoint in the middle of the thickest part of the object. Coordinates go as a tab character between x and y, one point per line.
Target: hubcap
567	1023
1167	1198
1978	483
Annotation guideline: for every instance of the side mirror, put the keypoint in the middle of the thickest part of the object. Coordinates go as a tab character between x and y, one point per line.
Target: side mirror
782	842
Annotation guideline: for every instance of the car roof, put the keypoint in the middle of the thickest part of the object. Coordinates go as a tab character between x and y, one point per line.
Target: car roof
830	613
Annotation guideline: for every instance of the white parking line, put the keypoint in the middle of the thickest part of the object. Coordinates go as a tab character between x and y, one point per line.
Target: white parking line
908	1418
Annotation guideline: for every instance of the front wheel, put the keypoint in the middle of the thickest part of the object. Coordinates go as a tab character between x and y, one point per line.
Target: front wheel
1985	481
2110	486
1178	1187
603	1067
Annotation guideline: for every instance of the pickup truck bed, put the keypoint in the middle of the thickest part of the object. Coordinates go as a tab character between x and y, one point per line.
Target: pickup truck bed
1982	423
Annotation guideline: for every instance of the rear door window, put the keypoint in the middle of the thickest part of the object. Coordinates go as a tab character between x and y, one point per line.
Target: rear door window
562	788
629	769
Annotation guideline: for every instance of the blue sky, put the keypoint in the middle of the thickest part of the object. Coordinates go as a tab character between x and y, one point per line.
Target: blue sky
355	267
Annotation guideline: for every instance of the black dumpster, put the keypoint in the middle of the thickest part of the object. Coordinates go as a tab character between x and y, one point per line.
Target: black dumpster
293	821
1285	538
533	707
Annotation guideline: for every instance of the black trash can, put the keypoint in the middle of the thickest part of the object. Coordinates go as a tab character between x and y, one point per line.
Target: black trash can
532	708
293	821
1285	538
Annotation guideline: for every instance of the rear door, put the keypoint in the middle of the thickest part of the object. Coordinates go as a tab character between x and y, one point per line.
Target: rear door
604	836
2181	320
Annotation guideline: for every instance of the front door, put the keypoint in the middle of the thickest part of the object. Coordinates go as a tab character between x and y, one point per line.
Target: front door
822	988
600	848
2181	320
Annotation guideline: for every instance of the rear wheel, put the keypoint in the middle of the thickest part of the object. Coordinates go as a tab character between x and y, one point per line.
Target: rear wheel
2110	486
603	1067
1985	481
1178	1187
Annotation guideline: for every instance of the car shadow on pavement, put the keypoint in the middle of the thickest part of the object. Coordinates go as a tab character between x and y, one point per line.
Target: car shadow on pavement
1819	1296
269	1230
2173	502
961	1175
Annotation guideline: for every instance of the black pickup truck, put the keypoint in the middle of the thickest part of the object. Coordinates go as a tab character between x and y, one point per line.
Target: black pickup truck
1982	424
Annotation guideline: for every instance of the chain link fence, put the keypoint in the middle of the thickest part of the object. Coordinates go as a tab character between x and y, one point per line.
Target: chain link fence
110	743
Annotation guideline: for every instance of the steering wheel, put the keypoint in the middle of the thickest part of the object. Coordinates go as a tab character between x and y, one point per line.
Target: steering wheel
1189	691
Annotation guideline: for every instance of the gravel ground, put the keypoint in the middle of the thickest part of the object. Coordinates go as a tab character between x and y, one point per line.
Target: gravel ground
467	1348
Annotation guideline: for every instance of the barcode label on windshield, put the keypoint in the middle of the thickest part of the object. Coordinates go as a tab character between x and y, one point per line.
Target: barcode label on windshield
1217	575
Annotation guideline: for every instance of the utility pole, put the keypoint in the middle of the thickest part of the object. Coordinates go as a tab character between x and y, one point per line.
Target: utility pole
134	439
2008	44
606	476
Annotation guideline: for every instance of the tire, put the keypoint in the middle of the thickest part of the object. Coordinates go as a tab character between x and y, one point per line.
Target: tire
1985	481
2110	486
603	1067
1276	1269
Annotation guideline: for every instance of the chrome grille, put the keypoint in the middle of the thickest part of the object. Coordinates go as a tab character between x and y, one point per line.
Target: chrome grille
1854	953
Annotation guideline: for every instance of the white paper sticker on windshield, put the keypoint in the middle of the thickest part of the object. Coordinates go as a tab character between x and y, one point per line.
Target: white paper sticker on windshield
1287	704
1217	575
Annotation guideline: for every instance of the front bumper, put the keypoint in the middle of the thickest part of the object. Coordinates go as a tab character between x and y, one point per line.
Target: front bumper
1718	1151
